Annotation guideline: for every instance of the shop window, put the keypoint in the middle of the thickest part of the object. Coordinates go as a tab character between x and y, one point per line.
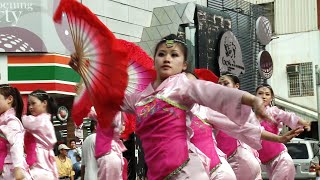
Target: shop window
300	79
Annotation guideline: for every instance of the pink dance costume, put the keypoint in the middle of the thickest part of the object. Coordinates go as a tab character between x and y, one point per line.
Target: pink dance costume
39	141
162	123
240	156
12	155
109	149
202	124
274	155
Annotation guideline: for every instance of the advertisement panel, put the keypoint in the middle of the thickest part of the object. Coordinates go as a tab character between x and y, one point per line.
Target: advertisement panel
27	26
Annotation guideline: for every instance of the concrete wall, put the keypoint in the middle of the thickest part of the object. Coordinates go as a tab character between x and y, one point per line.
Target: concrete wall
127	18
290	49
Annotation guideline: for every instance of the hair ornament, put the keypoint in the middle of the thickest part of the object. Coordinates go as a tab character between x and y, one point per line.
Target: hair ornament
170	42
5	86
39	94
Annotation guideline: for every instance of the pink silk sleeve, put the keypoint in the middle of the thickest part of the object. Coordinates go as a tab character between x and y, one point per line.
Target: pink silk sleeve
129	103
31	123
219	98
41	128
14	133
288	118
248	133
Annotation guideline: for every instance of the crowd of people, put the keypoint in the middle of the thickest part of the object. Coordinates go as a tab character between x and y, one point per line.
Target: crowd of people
189	129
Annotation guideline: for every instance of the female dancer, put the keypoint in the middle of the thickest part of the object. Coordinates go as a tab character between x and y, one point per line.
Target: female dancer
40	136
205	119
161	113
274	155
12	131
242	158
110	164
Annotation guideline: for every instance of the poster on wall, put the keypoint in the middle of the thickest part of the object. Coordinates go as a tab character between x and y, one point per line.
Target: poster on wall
210	25
26	26
265	64
230	56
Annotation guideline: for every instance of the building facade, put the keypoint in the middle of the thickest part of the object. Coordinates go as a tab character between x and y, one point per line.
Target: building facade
295	53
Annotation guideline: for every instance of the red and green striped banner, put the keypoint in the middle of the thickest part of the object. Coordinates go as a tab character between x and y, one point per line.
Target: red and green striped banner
49	72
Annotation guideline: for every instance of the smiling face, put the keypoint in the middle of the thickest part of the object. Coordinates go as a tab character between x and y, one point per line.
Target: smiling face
266	94
36	106
169	61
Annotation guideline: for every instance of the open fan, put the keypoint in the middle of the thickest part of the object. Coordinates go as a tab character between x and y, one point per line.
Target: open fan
207	75
99	58
140	69
81	104
140	74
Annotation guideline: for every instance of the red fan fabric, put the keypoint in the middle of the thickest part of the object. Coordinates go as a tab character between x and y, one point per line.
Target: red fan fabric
129	124
105	74
81	106
207	75
141	70
141	73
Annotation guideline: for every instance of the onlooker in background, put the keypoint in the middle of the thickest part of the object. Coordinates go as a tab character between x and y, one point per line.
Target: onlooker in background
64	164
77	166
72	151
89	167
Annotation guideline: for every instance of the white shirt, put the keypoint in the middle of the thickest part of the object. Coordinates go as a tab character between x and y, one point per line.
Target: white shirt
88	159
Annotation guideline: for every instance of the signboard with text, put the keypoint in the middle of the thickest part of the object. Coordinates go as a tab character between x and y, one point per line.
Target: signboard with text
27	26
230	57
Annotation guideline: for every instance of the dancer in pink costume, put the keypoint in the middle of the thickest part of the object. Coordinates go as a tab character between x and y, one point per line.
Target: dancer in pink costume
111	163
240	156
13	164
243	158
161	111
204	120
162	107
40	136
274	155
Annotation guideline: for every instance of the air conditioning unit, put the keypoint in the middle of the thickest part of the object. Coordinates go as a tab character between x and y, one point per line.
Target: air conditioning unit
292	69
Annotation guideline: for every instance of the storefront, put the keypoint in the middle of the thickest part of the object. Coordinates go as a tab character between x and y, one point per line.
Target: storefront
49	72
35	54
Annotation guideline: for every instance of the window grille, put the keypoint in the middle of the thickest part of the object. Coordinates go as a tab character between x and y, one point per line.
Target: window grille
300	79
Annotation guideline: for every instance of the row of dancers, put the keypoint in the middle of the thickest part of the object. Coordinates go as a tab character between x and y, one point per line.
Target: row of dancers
32	135
176	115
175	119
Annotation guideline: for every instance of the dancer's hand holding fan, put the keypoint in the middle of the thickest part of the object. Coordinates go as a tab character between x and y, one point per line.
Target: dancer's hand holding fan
99	58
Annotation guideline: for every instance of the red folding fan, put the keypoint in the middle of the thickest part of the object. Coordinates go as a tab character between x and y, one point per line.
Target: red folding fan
140	74
99	58
81	104
141	71
205	74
